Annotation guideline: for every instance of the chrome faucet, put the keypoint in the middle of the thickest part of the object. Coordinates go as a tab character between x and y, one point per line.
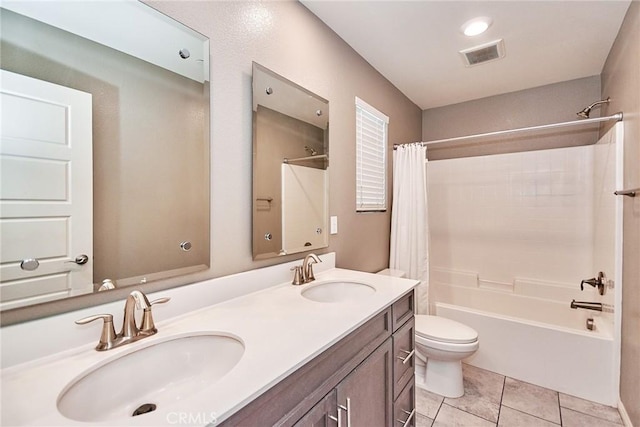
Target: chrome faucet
307	267
130	330
136	299
304	273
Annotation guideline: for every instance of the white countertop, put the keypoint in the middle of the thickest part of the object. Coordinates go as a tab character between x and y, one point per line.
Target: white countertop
280	329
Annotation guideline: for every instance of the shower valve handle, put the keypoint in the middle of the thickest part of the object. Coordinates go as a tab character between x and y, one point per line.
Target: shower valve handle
596	282
593	282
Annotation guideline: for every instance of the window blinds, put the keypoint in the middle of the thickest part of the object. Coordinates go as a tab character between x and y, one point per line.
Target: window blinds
371	166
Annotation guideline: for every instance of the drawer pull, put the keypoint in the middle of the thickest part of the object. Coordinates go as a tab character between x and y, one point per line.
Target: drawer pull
347	409
331	417
406	422
409	355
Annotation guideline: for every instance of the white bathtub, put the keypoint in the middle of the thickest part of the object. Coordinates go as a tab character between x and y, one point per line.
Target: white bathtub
538	341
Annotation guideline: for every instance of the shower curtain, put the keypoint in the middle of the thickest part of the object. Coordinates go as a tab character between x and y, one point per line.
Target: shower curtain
409	249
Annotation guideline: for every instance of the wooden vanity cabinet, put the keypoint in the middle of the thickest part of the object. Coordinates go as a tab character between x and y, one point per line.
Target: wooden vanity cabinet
363	398
322	414
357	379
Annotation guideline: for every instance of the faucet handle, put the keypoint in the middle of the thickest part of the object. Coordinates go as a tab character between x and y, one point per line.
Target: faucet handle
148	325
108	334
596	282
297	275
160	300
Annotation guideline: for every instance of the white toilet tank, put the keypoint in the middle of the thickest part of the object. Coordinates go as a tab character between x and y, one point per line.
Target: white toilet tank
392	273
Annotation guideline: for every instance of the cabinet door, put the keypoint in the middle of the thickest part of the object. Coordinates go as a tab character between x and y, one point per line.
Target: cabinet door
365	395
404	409
321	414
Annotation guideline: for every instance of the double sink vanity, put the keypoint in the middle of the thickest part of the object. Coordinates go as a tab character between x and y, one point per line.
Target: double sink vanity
336	351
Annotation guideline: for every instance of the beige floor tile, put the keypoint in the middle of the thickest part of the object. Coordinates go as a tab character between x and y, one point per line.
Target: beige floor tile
590	408
512	418
571	418
427	403
422	421
531	399
448	416
482	393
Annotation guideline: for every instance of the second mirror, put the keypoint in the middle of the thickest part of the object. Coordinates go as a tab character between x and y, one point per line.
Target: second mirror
290	166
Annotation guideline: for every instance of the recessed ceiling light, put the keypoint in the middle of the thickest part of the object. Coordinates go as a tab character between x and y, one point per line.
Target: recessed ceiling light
476	26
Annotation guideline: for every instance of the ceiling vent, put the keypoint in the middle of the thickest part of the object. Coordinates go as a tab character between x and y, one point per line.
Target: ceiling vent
484	53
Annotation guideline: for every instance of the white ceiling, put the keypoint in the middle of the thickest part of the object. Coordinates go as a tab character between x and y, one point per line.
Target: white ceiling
415	44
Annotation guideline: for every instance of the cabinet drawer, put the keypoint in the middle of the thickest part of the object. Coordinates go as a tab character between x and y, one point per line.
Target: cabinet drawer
404	408
403	356
403	309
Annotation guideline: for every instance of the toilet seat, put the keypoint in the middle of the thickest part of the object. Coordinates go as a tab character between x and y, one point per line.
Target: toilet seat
444	330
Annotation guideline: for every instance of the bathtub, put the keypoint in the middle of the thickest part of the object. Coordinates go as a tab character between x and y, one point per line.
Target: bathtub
537	341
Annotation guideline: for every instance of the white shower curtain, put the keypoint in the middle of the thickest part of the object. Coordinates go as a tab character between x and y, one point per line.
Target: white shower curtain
409	250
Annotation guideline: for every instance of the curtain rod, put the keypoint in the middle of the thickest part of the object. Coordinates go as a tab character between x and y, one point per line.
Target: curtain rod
617	117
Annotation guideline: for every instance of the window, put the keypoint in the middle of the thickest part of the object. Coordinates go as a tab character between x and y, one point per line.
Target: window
371	164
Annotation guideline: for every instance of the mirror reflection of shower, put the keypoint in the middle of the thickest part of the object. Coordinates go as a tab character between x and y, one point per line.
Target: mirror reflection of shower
584	113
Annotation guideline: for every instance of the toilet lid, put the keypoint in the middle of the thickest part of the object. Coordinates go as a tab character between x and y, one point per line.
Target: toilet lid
445	330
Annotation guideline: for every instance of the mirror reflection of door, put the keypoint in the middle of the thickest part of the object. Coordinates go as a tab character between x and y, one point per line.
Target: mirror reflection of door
45	170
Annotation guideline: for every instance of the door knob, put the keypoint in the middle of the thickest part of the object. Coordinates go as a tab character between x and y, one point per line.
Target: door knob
30	264
80	259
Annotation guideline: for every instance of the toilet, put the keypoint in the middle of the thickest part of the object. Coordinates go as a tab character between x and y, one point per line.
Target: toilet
441	344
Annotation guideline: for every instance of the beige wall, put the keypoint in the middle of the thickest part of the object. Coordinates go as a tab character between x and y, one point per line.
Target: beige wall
537	106
286	38
621	81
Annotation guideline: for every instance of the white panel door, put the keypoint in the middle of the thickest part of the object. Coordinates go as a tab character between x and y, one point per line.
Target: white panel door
304	208
46	191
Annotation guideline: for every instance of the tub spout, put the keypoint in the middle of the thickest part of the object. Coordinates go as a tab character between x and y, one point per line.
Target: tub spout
597	306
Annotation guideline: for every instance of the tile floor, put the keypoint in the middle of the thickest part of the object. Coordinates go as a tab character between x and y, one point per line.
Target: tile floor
494	400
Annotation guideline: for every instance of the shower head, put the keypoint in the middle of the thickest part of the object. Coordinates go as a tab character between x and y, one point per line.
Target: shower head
585	112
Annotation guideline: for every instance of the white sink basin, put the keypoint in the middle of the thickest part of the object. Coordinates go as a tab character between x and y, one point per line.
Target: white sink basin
158	375
337	291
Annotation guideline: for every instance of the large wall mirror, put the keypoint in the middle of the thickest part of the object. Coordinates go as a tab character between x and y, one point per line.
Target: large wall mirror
290	166
104	151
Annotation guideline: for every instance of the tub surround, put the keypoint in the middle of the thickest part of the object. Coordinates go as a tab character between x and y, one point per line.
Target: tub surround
280	329
552	311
